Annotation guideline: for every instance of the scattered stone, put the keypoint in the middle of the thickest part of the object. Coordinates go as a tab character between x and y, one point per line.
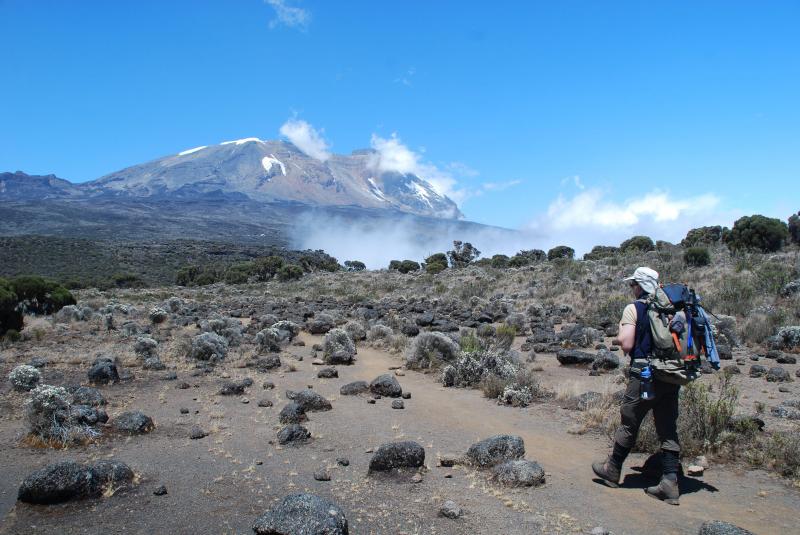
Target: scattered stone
133	423
160	491
495	450
322	474
234	388
311	401
695	470
599	530
294	434
406	395
268	385
757	370
342	461
68	480
305	514
398	404
184	385
264	403
327	373
450	460
777	374
395	455
786	359
716	527
450	509
731	369
583	401
103	372
293	413
197	433
519	473
386	385
416	478
184	410
266	363
354	388
573	357
170	376
38	362
371	402
145	347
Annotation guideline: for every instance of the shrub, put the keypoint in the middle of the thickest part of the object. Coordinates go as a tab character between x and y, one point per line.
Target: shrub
407	266
354	265
436	263
318	260
462	254
40	296
186	275
205	278
430	349
599	252
24	378
637	243
505	336
236	276
697	256
561	251
704	236
499	261
10	317
608	311
794	228
527	257
266	267
127	280
759	233
290	272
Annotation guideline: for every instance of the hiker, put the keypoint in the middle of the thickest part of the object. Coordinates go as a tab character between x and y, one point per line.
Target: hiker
635	338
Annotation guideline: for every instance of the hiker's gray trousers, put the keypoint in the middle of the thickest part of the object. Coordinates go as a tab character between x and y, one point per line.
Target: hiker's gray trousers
665	414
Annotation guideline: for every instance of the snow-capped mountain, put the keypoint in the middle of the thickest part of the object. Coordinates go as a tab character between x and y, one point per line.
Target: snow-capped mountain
271	171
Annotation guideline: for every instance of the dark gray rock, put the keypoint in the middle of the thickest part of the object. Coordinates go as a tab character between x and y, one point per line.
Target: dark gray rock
519	473
110	473
786	412
583	401
731	369
397	455
86	395
450	509
786	359
294	434
409	329
354	388
265	363
386	385
56	483
716	527
573	357
777	374
293	413
264	403
197	432
311	401
338	348
320	324
160	491
302	514
87	415
327	373
322	474
757	370
398	404
605	360
234	388
103	372
495	450
133	423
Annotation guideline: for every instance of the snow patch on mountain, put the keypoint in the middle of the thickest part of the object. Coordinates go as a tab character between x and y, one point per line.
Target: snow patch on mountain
268	161
242	141
422	193
376	191
190	151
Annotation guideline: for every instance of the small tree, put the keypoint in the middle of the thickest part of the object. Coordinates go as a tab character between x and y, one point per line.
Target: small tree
265	267
500	261
290	272
462	254
601	251
186	275
697	256
10	317
757	232
407	266
637	243
436	263
561	251
794	228
527	257
704	236
354	265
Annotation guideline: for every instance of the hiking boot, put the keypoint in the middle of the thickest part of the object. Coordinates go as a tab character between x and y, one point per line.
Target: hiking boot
608	472
666	491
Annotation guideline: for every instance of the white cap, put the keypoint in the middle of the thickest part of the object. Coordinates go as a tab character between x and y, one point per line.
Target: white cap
646	278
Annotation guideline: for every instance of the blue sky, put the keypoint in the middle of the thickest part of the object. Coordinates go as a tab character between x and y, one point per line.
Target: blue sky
557	117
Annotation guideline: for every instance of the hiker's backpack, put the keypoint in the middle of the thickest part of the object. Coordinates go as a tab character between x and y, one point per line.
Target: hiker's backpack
676	343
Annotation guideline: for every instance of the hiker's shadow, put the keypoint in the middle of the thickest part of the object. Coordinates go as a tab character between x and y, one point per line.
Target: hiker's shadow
686	485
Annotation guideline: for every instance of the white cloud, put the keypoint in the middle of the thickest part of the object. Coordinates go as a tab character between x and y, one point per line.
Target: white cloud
391	155
306	138
500	186
591	218
290	16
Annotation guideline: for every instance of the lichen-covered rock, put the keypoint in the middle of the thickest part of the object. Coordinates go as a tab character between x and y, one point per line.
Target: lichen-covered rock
102	372
394	455
716	527
328	373
338	347
85	415
495	450
228	328
605	360
153	363
302	514
312	401
321	323
68	480
68	314
573	357
386	385
786	338
294	434
158	315
133	423
145	347
355	388
288	329
209	347
776	374
86	395
24	378
292	413
519	473
431	346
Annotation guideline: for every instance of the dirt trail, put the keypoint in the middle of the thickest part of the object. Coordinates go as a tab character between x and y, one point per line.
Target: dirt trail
719	495
220	484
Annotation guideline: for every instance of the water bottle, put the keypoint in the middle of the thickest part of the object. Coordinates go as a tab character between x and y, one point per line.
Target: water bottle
646	384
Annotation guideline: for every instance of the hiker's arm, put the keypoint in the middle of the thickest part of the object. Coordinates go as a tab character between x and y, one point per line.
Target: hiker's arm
626	337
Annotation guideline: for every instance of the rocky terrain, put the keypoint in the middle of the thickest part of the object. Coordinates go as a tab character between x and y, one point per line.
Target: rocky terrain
472	401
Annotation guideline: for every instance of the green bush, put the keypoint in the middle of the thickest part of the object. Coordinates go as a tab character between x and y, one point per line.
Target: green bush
205	278
462	254
236	276
12	335
127	280
697	256
599	252
499	261
758	233
505	336
41	296
527	257
637	243
704	236
186	275
794	228
319	260
290	272
407	266
10	317
266	267
354	265
561	251
436	263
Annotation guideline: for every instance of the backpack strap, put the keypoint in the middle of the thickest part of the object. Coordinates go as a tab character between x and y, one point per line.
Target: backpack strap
643	339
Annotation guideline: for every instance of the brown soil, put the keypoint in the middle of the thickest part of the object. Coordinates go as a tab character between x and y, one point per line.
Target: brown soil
221	483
